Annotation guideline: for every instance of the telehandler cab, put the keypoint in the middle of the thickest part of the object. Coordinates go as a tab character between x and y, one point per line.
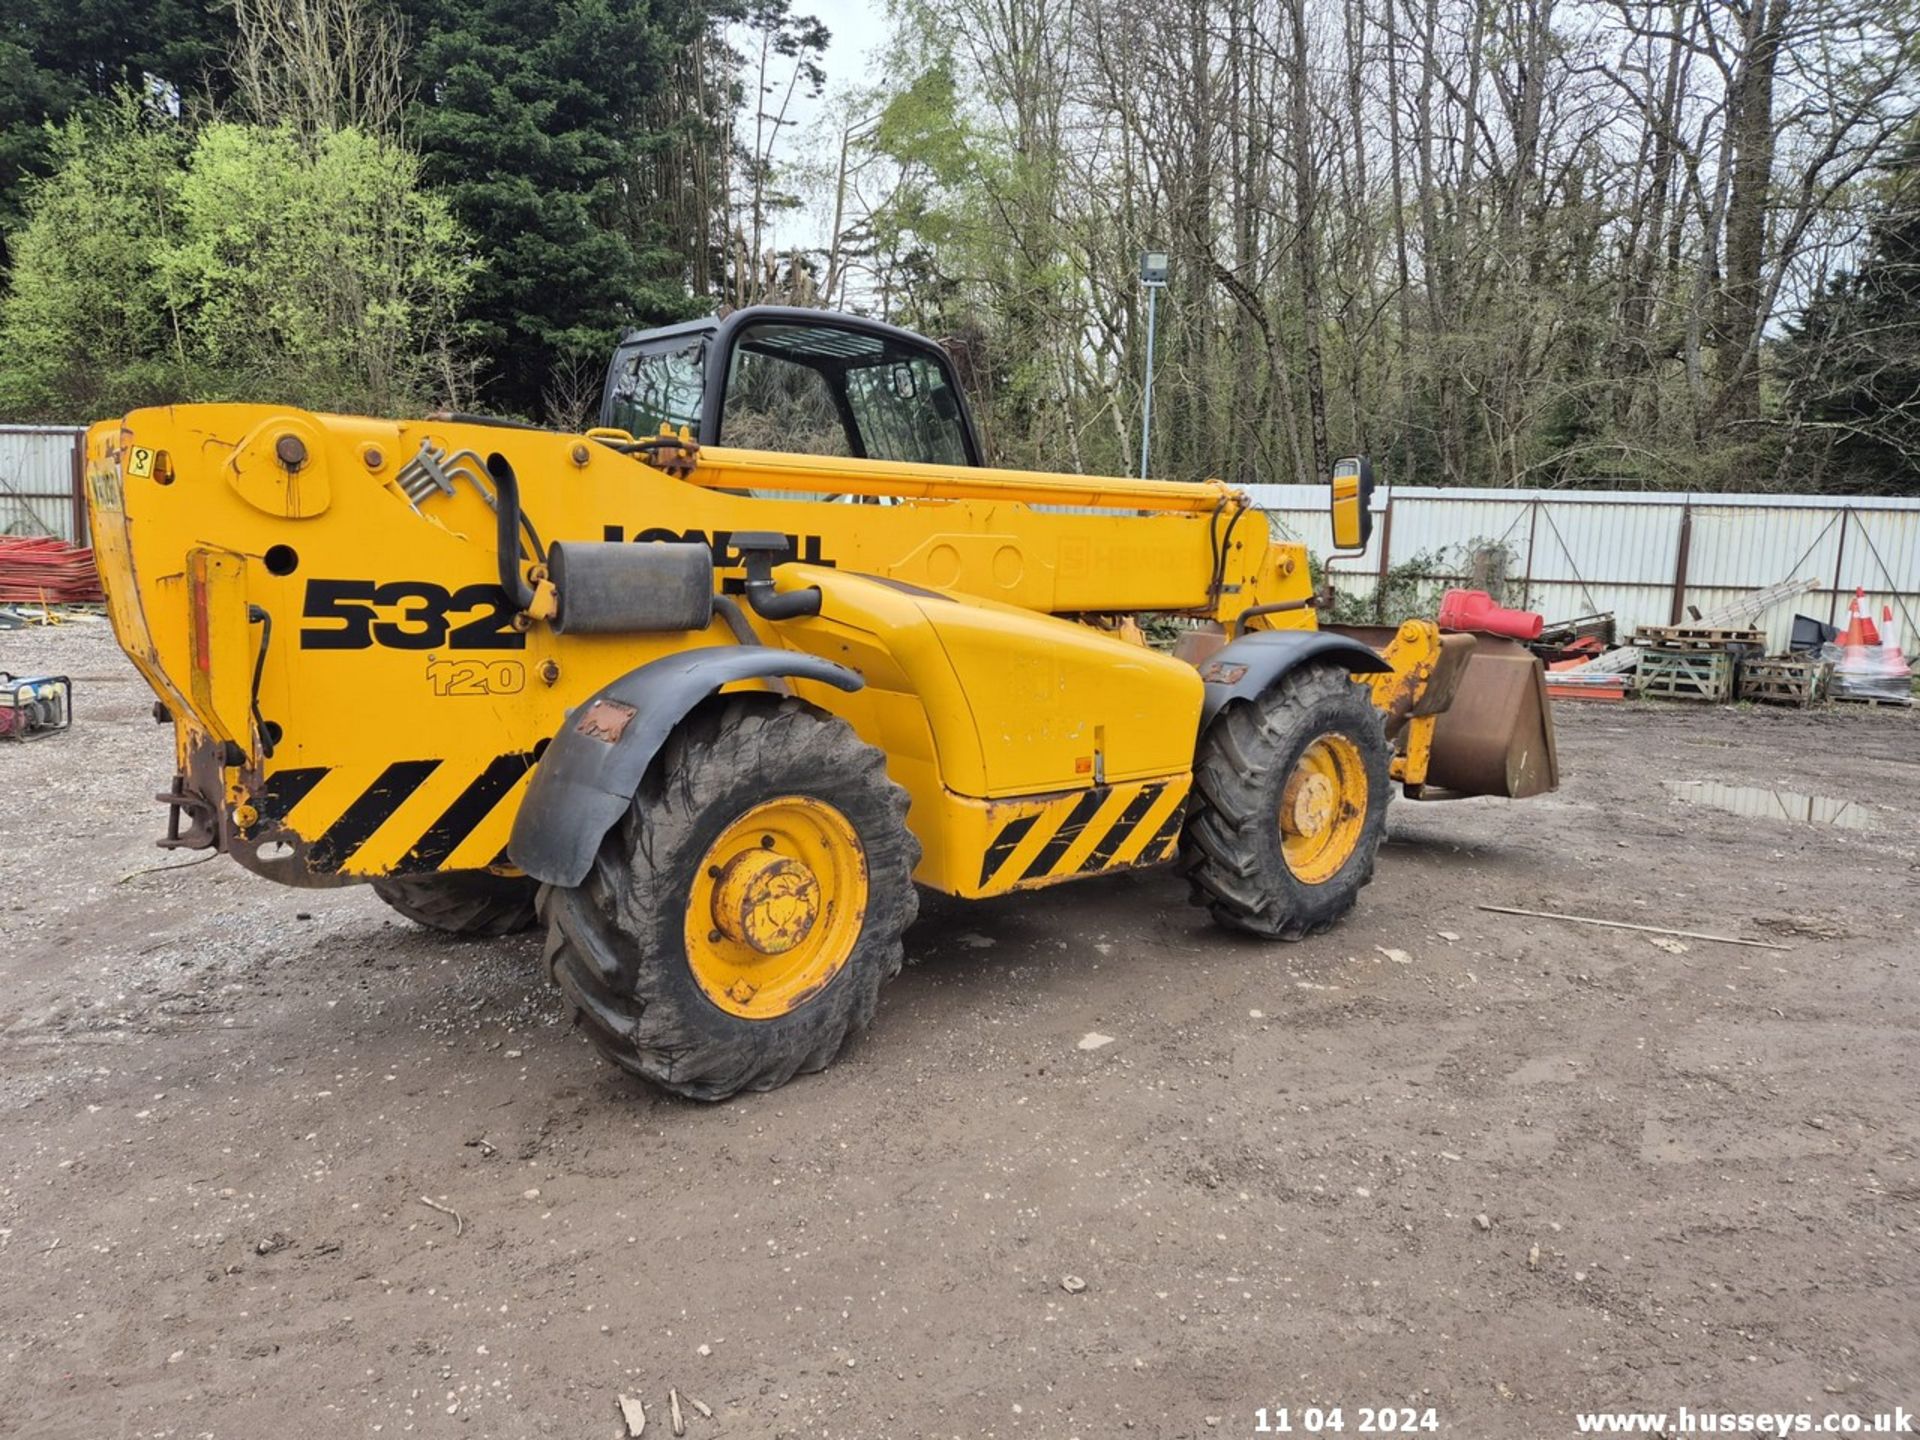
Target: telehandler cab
644	685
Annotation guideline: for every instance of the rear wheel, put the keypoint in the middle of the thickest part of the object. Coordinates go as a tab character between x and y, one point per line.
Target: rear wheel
1289	805
737	926
463	902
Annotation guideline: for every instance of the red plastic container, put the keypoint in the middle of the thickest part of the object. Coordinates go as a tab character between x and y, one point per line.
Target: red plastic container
1475	610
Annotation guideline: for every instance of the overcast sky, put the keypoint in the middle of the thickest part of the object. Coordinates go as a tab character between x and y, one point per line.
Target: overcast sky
859	30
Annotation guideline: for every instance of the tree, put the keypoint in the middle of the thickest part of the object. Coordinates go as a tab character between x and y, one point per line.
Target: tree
86	324
1533	242
320	65
540	125
315	270
1852	363
59	58
776	58
231	262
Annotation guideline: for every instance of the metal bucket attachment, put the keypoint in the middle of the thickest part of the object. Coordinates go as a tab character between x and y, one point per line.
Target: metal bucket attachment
1496	738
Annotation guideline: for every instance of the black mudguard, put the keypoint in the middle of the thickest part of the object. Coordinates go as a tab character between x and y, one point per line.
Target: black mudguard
1246	667
589	775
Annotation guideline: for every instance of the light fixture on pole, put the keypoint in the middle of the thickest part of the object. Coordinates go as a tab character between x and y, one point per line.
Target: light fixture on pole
1153	275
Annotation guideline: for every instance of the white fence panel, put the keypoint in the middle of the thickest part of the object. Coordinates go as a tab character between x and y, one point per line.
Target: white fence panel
37	473
1644	557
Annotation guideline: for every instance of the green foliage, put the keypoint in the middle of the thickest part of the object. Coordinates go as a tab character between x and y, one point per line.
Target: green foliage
86	326
967	243
320	270
586	151
1407	589
536	123
921	126
60	57
240	262
1415	586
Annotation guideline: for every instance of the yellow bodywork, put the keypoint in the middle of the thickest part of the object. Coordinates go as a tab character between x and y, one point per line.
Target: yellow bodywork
348	678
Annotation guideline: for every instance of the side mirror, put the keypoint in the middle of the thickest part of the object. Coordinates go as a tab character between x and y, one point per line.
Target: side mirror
1352	503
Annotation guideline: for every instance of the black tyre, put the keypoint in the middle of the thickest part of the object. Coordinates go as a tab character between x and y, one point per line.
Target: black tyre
463	902
1289	805
738	924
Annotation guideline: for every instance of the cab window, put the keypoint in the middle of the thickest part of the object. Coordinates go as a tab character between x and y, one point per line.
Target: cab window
826	390
906	412
659	384
775	402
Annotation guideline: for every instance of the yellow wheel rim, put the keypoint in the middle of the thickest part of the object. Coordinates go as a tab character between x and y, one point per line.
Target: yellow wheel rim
776	907
1323	809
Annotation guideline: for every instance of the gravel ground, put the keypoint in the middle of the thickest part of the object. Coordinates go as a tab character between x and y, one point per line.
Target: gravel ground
1503	1167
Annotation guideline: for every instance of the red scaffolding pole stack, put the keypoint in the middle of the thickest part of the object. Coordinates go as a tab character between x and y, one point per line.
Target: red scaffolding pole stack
43	570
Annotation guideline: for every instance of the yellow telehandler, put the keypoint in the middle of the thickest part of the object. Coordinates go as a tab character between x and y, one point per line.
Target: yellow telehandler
711	687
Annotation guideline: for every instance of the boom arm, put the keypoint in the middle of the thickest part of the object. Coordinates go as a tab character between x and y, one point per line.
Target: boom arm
1163	545
720	468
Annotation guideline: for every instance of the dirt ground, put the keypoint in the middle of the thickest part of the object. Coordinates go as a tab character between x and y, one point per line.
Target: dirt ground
1523	1170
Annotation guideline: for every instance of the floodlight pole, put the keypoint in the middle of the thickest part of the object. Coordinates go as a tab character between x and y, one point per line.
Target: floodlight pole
1153	275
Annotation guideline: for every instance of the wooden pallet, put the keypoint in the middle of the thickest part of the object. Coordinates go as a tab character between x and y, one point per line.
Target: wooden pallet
1685	675
1698	637
1892	702
1780	680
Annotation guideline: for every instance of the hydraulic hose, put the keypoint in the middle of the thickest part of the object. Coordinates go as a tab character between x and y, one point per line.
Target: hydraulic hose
757	548
506	511
770	604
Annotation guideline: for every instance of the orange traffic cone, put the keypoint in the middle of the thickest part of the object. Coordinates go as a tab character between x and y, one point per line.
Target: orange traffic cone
1892	662
1860	633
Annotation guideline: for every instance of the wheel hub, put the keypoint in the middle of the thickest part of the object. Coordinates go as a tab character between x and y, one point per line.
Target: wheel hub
1309	804
776	906
767	901
1323	808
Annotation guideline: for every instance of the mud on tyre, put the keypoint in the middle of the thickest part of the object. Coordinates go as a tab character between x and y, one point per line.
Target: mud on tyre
738	923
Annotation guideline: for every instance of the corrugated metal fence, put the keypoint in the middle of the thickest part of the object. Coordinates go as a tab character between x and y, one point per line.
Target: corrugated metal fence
41	467
1645	557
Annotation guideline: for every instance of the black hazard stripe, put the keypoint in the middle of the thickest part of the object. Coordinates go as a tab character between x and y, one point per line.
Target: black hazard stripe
1122	827
1167	838
287	788
1071	828
1004	844
473	805
372	809
1081	819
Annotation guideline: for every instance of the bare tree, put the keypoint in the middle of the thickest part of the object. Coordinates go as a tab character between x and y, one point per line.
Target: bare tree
1498	241
320	65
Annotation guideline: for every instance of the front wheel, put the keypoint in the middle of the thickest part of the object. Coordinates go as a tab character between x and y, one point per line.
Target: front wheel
1289	806
737	926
